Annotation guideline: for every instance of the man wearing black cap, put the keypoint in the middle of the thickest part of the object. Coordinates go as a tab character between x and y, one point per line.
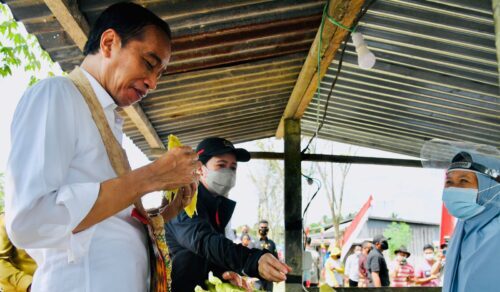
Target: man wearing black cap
198	244
376	264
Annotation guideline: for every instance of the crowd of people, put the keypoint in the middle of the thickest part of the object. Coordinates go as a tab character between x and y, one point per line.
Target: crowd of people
367	266
71	194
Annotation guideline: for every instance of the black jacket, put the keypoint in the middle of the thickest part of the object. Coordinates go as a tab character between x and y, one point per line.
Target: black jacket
198	245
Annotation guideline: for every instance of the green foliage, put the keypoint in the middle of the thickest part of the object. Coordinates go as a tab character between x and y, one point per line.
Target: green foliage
18	49
399	234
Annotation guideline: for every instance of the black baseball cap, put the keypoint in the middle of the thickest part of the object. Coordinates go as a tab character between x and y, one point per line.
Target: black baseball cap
379	238
216	146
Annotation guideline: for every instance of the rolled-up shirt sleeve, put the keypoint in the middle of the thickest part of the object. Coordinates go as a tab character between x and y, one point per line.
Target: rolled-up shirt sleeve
42	210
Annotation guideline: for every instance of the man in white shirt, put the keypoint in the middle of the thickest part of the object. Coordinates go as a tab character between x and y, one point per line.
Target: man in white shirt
64	202
352	266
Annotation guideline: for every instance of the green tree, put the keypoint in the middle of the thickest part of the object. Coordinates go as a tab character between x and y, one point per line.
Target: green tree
335	193
399	234
18	49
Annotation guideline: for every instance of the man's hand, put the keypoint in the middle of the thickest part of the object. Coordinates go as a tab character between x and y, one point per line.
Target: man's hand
237	280
376	280
175	169
181	200
271	269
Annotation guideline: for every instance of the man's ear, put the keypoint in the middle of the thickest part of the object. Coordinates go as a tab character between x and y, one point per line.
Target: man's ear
202	169
109	41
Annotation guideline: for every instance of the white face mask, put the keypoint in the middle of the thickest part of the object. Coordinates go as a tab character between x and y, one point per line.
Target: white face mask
220	181
358	252
429	256
400	257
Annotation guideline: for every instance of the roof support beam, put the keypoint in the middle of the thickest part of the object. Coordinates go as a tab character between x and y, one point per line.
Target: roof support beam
324	158
141	121
71	19
74	23
344	11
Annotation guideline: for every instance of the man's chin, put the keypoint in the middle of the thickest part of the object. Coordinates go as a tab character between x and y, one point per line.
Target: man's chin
128	101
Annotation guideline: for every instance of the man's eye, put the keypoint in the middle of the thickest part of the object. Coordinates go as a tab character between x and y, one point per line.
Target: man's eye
148	65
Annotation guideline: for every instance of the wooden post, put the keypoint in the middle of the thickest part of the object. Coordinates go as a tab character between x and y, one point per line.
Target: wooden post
293	204
496	18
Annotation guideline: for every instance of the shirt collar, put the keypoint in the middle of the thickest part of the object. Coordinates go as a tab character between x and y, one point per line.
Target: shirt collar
103	96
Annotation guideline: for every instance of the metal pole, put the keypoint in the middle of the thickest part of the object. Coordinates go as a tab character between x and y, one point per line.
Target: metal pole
342	159
293	205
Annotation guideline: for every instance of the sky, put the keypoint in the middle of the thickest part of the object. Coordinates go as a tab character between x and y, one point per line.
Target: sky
411	193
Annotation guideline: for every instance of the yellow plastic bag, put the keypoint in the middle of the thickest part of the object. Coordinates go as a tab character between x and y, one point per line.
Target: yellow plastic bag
173	142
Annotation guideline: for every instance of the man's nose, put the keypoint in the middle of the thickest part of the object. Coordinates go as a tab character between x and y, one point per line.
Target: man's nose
151	82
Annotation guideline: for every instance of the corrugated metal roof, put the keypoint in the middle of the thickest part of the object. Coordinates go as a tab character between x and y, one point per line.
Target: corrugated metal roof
233	66
243	102
436	76
235	63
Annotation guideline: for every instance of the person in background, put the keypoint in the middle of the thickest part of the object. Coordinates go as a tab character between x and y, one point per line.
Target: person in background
352	266
438	268
314	274
376	264
198	245
427	273
245	231
307	264
16	266
472	194
246	240
364	279
402	273
334	274
266	244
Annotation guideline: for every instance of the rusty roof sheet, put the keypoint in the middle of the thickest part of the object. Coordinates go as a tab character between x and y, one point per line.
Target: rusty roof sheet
233	66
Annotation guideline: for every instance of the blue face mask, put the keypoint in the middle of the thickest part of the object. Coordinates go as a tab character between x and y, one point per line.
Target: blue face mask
461	202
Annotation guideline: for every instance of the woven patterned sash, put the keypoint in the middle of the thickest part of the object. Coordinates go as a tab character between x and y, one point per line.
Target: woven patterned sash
159	256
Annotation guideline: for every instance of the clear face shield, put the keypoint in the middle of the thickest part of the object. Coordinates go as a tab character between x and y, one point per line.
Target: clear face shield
481	159
438	153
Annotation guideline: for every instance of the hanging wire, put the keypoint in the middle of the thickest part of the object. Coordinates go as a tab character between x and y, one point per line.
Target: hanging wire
339	66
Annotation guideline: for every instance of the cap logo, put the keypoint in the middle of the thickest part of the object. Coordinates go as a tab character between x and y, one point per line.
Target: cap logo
228	144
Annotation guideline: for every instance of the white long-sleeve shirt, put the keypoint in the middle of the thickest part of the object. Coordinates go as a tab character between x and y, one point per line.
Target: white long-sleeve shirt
55	168
352	267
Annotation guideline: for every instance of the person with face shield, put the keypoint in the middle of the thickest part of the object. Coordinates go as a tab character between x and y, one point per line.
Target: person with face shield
198	245
471	194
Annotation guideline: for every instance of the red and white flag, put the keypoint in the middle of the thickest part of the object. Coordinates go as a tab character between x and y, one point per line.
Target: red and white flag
352	231
447	225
